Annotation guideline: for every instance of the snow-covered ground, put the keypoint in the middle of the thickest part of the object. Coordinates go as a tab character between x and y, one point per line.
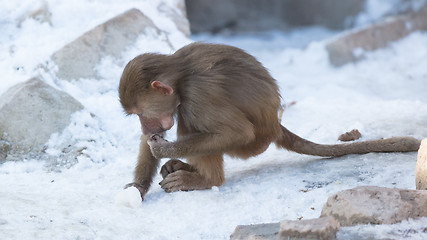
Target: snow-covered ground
382	96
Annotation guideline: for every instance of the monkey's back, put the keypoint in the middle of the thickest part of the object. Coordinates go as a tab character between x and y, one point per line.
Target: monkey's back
226	72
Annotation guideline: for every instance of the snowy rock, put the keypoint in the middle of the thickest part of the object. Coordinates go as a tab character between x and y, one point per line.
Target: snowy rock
39	10
129	197
265	231
319	228
4	149
375	205
30	113
178	16
421	168
79	58
350	46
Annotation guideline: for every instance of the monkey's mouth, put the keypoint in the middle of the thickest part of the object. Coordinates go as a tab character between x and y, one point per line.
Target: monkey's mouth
159	131
155	126
149	128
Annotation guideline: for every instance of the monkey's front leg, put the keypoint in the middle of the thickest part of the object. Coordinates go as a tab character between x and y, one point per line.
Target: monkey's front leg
145	168
199	144
159	146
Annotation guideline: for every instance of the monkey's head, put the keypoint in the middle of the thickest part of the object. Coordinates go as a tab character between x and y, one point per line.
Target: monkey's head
143	92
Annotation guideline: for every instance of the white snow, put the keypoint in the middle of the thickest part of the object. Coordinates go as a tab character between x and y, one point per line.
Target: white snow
383	96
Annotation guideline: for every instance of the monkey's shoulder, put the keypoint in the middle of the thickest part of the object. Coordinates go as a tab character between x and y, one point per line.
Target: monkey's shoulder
214	53
208	47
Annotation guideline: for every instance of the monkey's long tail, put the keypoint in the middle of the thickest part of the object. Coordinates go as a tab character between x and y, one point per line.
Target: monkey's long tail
297	144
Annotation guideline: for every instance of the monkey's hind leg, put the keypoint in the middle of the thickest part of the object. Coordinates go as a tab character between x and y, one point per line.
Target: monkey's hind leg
174	165
207	172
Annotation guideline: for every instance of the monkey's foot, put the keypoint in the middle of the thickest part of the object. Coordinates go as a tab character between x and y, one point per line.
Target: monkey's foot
142	190
174	165
184	181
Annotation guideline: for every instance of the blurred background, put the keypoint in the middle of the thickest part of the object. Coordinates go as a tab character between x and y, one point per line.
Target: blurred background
237	16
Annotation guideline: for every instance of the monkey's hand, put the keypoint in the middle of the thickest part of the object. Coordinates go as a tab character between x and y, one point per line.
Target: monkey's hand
158	146
142	190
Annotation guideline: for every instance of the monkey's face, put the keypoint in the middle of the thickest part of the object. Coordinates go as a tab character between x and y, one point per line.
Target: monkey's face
156	125
155	112
155	105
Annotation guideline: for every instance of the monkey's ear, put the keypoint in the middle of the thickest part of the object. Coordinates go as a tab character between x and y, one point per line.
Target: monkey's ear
162	87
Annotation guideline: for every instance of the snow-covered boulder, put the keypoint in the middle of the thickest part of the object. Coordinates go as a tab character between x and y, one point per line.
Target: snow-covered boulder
256	231
350	46
30	112
38	10
421	168
319	228
178	14
79	58
375	205
4	149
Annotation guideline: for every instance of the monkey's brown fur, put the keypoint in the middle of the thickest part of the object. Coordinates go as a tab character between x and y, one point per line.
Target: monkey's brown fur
225	102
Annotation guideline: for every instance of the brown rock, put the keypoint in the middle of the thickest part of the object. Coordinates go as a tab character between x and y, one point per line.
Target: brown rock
320	228
30	112
349	47
421	168
267	231
178	15
350	136
375	205
79	58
